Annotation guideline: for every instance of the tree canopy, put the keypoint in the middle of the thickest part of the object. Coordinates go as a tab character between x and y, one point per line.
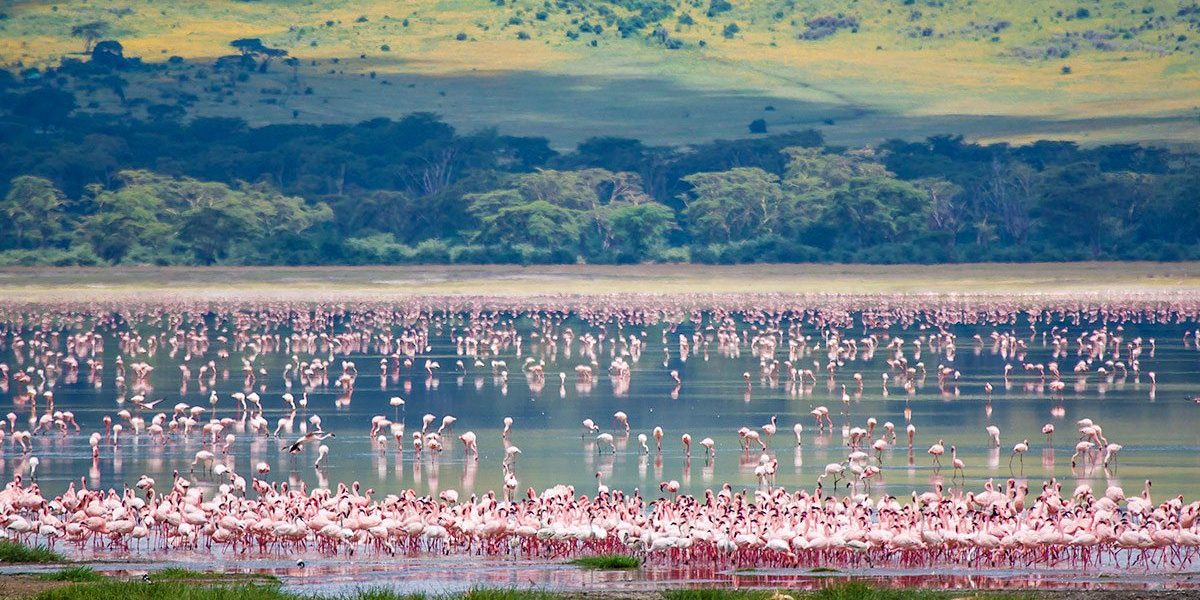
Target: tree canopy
84	188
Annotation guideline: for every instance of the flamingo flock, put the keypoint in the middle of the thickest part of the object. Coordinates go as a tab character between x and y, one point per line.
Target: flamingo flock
774	527
209	504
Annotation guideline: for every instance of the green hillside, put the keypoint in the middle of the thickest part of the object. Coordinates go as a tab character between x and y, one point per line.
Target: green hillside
663	71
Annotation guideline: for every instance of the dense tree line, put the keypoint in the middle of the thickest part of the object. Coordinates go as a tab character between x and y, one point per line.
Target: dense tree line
83	188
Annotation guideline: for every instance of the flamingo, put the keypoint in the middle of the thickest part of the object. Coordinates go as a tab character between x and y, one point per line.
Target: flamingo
589	426
1019	450
958	464
936	451
622	419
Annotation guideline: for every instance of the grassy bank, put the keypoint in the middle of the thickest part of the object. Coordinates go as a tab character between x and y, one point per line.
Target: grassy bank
13	552
136	590
988	68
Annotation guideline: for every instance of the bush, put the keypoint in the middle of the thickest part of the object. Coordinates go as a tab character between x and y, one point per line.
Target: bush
80	255
716	7
673	255
608	561
380	248
432	251
13	552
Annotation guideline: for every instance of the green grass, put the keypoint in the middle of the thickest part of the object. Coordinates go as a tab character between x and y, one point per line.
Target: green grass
862	591
883	80
189	590
176	590
12	552
179	573
508	594
79	574
608	561
184	589
823	570
172	574
715	594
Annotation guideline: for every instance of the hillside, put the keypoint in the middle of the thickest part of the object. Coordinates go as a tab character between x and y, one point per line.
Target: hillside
659	70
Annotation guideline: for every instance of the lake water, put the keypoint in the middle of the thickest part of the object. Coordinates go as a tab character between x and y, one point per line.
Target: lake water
1158	431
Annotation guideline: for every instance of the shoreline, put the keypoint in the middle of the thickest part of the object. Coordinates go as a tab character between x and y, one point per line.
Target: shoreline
1100	279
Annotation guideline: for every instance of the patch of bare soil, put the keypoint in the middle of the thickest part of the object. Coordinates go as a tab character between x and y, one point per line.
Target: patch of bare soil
25	586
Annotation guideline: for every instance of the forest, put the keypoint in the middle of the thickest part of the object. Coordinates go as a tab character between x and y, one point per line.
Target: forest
88	188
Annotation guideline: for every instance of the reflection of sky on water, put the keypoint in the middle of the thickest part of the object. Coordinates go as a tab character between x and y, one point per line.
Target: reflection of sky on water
444	575
1159	434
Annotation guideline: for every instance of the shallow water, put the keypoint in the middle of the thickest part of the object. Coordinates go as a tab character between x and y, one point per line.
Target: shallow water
443	575
1155	425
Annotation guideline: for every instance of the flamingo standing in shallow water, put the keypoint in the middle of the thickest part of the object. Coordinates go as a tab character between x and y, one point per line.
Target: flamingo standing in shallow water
1019	450
936	451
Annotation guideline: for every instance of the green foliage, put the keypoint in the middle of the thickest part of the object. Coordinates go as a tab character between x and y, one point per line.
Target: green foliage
46	106
608	561
208	220
732	205
13	552
540	223
33	211
216	191
639	231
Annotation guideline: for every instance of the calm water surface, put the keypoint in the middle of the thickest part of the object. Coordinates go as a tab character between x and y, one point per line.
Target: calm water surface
1159	431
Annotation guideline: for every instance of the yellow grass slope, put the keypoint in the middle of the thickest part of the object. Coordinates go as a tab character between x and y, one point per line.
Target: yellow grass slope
1134	73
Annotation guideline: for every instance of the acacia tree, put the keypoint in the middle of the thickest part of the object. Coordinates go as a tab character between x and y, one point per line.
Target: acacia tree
539	223
946	211
125	219
878	209
33	211
211	221
89	33
255	47
738	204
639	231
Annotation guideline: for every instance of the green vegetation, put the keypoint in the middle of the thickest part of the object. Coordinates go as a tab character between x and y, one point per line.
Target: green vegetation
179	573
862	70
608	561
508	594
116	156
171	574
13	552
92	190
137	590
715	594
863	591
76	574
